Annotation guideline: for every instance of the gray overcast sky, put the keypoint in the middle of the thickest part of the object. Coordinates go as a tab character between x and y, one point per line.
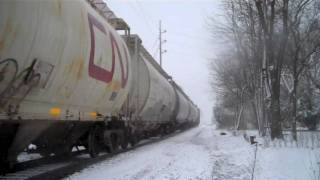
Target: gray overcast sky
188	40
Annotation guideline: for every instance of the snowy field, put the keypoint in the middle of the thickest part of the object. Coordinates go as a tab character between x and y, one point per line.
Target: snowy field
202	153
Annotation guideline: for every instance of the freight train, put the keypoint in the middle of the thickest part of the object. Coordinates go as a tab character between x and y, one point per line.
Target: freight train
68	77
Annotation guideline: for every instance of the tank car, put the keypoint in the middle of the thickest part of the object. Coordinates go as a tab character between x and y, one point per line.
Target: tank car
157	103
153	100
62	68
67	78
184	108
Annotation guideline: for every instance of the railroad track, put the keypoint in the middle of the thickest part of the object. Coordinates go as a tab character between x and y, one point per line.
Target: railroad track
59	167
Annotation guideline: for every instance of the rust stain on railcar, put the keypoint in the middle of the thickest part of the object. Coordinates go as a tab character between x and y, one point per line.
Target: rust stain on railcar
7	31
79	74
59	8
73	74
8	28
76	67
113	86
1	45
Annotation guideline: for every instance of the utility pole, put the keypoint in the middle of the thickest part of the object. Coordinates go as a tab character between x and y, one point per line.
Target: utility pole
161	41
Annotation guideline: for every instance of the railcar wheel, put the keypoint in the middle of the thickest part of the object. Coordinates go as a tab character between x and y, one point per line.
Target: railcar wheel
93	141
163	131
124	140
64	151
5	167
45	153
133	140
114	144
124	144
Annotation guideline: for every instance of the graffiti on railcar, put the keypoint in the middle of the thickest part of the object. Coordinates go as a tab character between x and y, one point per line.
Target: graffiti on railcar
14	84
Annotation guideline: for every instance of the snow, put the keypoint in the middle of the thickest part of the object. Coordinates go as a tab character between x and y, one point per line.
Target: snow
202	153
27	157
287	163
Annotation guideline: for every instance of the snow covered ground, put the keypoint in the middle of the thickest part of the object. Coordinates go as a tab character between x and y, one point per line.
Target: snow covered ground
202	153
27	157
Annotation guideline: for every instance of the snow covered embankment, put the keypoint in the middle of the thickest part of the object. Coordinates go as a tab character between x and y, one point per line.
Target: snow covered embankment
202	153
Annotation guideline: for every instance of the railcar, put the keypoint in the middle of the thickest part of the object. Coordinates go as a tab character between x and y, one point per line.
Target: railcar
68	78
62	68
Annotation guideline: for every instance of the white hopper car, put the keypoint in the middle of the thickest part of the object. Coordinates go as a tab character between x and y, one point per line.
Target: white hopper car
67	78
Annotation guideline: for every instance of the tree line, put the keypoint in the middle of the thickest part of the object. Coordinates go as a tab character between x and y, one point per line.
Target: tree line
267	76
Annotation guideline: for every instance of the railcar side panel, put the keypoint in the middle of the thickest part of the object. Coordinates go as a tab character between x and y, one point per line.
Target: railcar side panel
161	101
140	89
183	112
80	65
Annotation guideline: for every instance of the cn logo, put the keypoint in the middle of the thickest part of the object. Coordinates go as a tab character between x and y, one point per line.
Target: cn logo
98	72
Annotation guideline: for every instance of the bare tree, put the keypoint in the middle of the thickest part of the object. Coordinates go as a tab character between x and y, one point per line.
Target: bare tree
242	33
304	36
264	39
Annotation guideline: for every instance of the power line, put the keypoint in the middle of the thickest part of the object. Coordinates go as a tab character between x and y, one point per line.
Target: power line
155	53
183	53
186	44
137	12
142	16
154	46
189	36
146	15
160	42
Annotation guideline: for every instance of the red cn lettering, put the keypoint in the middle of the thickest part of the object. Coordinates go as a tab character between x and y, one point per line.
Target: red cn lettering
100	73
124	76
95	71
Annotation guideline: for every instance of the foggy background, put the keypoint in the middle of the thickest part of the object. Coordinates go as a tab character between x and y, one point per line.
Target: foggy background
189	46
